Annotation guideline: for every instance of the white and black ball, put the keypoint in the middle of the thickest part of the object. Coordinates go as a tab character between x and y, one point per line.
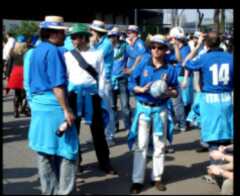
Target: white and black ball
158	88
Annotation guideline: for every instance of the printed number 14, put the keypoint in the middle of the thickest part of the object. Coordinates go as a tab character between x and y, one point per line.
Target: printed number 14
221	74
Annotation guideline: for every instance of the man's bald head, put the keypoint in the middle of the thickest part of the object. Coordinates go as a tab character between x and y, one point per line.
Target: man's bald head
212	40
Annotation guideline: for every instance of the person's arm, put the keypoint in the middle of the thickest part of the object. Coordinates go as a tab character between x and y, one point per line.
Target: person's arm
218	155
60	94
142	89
194	50
219	171
176	50
128	71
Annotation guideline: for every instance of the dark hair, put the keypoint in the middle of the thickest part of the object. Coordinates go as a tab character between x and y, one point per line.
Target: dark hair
45	33
212	40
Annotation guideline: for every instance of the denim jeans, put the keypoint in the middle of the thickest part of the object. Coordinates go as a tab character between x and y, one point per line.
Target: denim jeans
57	174
179	112
107	98
124	102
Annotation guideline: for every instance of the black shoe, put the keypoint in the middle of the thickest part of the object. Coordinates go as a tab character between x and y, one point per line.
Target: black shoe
159	185
136	188
170	150
109	170
201	149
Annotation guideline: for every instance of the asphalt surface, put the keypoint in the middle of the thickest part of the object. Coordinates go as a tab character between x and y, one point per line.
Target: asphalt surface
183	171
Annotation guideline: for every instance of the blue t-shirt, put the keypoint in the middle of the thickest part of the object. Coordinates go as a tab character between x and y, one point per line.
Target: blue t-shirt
145	74
120	59
68	43
47	68
105	46
216	68
138	49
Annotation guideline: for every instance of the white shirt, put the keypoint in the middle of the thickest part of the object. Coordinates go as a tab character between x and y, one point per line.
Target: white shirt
8	47
79	76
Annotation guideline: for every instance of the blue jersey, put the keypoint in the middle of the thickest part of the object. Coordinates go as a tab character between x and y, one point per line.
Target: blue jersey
120	59
216	68
138	49
105	46
147	74
47	68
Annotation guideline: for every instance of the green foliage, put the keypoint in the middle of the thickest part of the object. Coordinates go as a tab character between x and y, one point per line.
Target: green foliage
25	28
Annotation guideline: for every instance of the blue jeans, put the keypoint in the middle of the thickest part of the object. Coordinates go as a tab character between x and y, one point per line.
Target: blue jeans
107	98
124	101
57	174
179	112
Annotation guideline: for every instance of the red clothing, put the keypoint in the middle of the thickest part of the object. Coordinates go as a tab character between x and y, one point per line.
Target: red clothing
15	80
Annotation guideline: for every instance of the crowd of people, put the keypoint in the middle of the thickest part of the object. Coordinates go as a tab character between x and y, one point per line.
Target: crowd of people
79	73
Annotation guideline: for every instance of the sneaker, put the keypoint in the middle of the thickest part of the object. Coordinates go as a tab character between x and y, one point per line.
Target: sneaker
136	188
111	142
183	129
108	170
202	149
170	150
159	185
209	179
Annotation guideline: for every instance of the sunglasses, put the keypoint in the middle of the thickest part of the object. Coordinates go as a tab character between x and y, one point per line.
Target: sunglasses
75	36
158	47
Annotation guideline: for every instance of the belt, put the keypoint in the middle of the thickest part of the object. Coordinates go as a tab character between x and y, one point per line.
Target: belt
150	104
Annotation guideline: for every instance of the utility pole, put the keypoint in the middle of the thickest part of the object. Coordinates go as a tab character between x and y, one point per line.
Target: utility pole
135	16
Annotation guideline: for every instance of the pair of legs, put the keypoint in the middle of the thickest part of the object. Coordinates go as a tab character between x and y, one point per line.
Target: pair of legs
140	154
19	102
97	131
124	102
57	174
179	111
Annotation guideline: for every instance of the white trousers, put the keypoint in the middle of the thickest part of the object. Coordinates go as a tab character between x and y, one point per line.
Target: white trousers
140	154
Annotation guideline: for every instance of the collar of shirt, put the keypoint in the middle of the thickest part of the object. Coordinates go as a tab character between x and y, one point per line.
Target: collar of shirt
101	40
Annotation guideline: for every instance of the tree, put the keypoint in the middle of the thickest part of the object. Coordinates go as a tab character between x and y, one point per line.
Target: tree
25	28
222	24
200	19
216	20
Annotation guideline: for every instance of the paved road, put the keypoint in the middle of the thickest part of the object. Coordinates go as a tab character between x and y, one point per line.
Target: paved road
183	170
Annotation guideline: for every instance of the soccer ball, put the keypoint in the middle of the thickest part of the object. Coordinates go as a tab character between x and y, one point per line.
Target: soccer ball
158	88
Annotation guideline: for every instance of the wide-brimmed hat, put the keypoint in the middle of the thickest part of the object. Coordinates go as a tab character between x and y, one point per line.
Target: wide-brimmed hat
160	39
99	26
196	34
133	28
53	22
114	32
79	28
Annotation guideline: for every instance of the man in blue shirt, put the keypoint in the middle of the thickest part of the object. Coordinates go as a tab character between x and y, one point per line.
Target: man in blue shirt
135	49
101	42
150	112
119	78
182	103
216	107
47	88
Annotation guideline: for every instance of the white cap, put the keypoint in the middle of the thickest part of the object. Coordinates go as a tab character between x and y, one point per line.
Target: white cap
133	28
177	32
114	31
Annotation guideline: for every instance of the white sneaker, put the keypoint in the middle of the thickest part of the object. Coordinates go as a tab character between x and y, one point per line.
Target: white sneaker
111	142
183	129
